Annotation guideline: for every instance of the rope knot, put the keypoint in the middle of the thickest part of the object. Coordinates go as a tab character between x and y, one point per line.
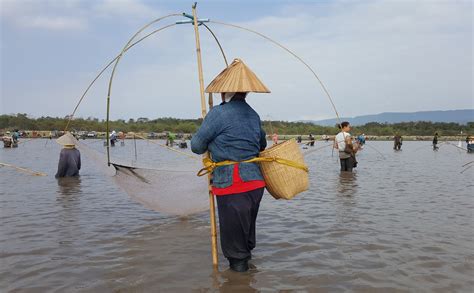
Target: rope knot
209	166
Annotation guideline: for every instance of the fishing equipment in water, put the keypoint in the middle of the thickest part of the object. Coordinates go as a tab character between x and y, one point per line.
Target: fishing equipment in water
31	172
468	166
138	180
171	188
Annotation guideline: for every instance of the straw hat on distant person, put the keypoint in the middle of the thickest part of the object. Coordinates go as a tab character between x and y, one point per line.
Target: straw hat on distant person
67	140
237	78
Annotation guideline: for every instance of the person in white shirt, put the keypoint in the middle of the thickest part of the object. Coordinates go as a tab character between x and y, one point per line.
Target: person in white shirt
343	143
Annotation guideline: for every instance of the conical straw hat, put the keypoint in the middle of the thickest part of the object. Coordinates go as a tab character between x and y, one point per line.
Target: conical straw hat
67	139
237	78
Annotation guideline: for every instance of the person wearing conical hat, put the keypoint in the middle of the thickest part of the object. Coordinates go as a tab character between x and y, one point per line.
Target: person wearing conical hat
233	131
7	140
69	158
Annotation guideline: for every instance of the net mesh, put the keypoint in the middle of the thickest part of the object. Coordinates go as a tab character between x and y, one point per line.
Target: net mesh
159	179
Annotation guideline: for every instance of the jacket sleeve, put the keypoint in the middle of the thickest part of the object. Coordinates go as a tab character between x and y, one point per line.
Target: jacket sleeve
62	165
263	139
78	160
210	128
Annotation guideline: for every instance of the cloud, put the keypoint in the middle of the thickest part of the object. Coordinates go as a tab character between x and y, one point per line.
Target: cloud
71	14
54	23
373	56
44	15
124	8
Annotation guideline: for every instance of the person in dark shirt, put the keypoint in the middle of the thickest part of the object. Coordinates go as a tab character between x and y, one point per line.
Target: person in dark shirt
311	140
435	142
397	142
69	158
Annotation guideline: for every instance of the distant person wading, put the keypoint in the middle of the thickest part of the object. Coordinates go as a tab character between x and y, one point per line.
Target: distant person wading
233	131
343	142
435	142
69	158
397	142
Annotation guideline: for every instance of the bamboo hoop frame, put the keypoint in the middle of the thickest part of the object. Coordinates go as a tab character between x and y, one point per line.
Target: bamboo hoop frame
129	45
293	54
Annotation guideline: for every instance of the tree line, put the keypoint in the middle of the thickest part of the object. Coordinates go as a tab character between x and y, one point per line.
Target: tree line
21	121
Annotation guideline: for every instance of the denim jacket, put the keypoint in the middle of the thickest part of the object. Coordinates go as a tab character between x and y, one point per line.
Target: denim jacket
231	131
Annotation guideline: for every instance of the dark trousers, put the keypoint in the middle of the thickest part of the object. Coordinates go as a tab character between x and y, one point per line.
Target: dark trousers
347	164
237	217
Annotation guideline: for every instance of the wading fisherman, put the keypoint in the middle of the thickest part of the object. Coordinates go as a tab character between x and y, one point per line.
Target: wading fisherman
233	131
343	142
15	136
311	139
397	142
113	138
435	142
7	140
361	139
170	137
69	158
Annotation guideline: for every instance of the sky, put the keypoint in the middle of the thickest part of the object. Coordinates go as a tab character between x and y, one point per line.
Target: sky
372	56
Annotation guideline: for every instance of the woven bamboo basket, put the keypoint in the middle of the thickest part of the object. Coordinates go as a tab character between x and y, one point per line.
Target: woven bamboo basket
284	181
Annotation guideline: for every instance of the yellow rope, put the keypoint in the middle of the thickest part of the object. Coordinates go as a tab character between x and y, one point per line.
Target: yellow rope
34	173
209	165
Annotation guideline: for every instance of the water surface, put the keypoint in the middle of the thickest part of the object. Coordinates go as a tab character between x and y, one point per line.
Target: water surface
402	222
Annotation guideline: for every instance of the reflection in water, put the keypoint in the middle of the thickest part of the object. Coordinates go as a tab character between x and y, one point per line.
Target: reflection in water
69	185
346	208
67	226
231	281
68	190
347	184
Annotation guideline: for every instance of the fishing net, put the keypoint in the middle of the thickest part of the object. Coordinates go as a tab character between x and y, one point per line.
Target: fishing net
162	180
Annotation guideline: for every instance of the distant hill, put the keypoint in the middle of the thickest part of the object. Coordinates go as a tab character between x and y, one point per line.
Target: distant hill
456	116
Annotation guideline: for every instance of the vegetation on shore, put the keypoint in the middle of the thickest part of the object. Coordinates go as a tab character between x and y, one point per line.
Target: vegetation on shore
23	122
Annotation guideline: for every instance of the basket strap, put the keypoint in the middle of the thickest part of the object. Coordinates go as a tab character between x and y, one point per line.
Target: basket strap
209	165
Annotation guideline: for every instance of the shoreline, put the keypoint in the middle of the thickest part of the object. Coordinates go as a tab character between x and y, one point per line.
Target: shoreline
281	137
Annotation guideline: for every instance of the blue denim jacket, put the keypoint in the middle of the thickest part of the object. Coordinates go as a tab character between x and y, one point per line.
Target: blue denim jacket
231	131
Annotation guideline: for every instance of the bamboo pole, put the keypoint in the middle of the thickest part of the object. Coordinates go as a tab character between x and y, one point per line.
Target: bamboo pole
212	209
198	52
210	101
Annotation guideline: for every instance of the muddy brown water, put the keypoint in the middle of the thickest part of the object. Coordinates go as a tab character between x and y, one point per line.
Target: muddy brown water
402	222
